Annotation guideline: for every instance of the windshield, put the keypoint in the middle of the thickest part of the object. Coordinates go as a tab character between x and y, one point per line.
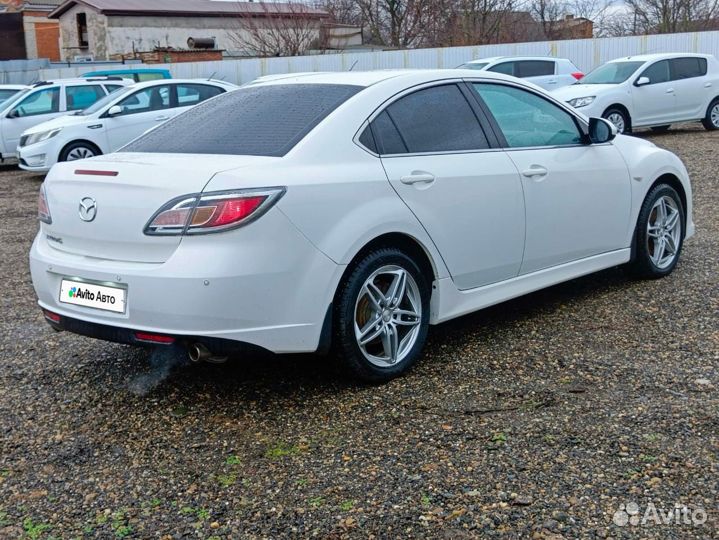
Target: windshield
612	73
475	65
6	94
4	105
98	105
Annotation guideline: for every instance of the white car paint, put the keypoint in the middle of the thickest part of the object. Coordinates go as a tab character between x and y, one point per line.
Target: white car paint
35	106
270	283
556	72
653	104
107	132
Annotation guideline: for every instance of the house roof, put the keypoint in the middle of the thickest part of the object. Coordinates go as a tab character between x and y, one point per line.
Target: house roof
193	8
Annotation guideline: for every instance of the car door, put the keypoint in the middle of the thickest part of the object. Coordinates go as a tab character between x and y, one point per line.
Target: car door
577	196
466	195
688	77
37	107
140	111
540	72
655	102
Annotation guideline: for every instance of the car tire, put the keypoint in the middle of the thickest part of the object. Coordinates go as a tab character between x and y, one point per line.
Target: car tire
79	150
375	335
711	120
618	117
658	233
661	129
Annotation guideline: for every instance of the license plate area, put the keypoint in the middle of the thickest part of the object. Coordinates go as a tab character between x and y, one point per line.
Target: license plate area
104	297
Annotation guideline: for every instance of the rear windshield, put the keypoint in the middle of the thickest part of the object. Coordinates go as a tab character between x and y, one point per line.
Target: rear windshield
251	121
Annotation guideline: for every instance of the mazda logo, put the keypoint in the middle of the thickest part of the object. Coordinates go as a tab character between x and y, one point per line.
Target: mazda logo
88	209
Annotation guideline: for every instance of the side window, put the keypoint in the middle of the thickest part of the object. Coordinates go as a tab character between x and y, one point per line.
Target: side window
437	119
78	98
112	87
686	68
41	102
387	138
192	94
534	68
150	99
505	67
366	139
658	72
527	120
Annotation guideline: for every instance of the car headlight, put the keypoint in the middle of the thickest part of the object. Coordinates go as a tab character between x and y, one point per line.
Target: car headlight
42	136
581	101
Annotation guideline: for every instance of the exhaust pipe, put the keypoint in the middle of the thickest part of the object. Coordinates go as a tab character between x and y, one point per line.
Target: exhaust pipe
197	352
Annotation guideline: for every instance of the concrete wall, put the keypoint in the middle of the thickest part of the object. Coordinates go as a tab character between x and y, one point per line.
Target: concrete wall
585	53
96	33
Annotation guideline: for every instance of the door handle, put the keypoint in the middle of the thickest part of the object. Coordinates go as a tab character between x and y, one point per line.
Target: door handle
708	85
670	90
551	82
161	118
535	171
417	178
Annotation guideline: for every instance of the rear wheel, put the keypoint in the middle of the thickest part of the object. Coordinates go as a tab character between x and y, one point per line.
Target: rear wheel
382	315
660	233
619	118
79	150
711	120
661	129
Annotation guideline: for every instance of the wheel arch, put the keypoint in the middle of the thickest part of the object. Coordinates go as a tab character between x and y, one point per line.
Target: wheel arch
621	107
76	141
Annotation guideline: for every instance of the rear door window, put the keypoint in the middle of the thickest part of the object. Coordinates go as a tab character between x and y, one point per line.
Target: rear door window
437	119
253	121
534	68
686	68
78	98
192	94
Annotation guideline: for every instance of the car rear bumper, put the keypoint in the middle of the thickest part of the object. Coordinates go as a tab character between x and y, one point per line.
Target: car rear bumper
272	294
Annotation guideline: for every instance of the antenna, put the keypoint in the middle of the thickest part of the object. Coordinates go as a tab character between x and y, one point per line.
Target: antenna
211	76
353	65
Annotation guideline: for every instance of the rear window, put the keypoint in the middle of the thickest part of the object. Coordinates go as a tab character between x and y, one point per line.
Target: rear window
252	121
686	68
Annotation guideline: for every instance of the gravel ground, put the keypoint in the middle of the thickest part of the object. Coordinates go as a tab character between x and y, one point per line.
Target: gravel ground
536	418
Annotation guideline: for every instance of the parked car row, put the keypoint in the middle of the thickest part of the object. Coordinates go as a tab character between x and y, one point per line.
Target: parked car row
652	91
349	210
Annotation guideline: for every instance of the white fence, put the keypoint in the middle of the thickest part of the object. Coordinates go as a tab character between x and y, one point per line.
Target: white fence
585	53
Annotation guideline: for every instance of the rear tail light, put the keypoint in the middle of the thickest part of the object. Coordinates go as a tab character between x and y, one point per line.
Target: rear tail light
43	209
212	212
578	75
51	316
159	339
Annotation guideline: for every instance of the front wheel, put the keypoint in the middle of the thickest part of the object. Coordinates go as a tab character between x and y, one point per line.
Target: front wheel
711	120
79	150
382	315
619	118
659	234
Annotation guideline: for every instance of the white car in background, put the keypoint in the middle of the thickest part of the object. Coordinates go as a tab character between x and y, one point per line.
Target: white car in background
46	100
322	209
544	71
7	91
653	90
112	122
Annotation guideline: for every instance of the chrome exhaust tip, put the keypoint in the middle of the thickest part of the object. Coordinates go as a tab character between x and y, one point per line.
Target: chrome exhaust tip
197	352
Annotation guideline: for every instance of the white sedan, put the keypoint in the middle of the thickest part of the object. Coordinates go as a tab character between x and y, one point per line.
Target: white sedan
112	122
348	209
653	90
546	71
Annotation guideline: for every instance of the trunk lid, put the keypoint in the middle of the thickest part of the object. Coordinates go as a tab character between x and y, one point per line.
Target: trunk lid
126	190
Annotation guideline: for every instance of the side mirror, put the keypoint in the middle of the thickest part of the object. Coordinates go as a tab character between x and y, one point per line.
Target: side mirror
642	81
114	110
601	130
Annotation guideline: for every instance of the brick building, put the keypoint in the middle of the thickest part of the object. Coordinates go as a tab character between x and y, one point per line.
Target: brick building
26	32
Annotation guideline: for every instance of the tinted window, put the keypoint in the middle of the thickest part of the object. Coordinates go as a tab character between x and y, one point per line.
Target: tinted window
528	120
367	139
78	98
41	102
389	141
473	65
192	94
612	73
150	99
255	121
5	94
437	119
535	68
657	73
686	68
505	67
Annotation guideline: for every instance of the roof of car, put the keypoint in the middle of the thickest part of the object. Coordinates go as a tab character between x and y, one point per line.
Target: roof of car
657	56
498	58
13	86
163	82
369	78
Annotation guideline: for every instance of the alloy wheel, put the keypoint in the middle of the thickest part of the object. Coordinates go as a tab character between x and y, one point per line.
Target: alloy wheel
80	152
714	115
664	231
618	120
388	316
